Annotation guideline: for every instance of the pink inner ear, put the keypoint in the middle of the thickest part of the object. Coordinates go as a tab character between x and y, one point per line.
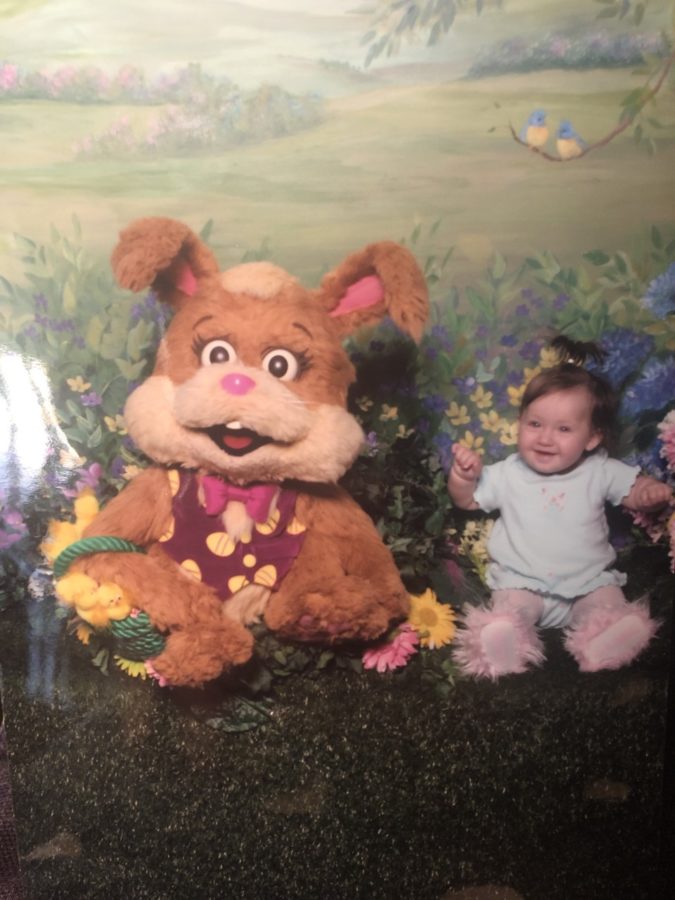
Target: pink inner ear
363	293
186	282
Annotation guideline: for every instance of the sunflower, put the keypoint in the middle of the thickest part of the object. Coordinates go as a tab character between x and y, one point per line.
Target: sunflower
433	621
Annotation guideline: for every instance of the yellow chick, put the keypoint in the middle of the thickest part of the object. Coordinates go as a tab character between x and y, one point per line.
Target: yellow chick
61	534
97	604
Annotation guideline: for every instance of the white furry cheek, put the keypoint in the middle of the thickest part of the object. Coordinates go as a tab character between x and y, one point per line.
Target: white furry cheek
151	423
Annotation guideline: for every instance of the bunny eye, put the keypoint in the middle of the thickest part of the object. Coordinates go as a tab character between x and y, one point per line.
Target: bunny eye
282	364
216	352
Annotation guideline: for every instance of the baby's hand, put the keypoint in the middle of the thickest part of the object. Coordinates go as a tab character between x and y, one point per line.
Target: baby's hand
648	495
466	464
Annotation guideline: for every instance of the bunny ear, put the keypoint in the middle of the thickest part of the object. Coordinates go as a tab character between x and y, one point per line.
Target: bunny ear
163	254
382	279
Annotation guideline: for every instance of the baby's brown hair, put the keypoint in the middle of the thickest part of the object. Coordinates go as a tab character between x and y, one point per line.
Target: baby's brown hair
569	374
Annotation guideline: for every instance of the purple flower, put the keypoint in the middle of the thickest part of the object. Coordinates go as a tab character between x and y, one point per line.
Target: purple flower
509	340
625	351
443	443
465	385
117	467
40	301
530	350
435	403
137	311
12	527
660	296
561	301
91	399
89	477
441	335
522	309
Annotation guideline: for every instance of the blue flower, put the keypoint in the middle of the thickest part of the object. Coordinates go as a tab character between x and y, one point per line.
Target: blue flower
653	390
509	340
625	351
660	296
435	403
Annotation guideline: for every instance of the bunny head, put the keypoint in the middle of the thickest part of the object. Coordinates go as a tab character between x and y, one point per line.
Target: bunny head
251	377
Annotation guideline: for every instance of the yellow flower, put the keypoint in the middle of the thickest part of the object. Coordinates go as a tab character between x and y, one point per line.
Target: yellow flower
61	534
364	403
473	545
473	443
132	667
481	397
388	412
69	459
509	434
515	394
491	421
115	424
78	384
548	357
130	472
458	415
404	432
433	621
83	632
530	373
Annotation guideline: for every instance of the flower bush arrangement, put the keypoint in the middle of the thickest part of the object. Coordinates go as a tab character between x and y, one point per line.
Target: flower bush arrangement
590	49
195	110
91	344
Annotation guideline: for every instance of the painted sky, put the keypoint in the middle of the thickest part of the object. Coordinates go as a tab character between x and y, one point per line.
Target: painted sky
250	41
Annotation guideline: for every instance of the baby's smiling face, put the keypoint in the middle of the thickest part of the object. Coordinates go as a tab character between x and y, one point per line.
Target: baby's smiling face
556	430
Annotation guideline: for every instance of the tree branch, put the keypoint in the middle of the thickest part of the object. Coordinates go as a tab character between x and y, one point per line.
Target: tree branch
622	126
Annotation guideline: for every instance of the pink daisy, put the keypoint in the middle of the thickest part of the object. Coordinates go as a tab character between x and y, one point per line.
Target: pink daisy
393	653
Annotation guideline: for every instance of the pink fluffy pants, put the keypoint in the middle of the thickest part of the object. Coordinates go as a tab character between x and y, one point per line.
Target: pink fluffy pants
604	631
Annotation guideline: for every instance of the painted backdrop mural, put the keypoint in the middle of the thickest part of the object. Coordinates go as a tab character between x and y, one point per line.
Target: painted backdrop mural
522	149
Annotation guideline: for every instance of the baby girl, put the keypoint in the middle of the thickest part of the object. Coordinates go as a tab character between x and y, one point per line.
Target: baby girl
550	556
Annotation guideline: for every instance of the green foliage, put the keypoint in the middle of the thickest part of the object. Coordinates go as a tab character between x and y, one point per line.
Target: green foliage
462	384
397	19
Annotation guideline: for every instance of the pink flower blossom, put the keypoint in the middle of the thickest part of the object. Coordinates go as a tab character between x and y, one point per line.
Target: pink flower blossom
667	435
153	673
393	653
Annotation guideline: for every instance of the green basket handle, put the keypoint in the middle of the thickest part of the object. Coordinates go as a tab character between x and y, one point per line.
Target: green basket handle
89	545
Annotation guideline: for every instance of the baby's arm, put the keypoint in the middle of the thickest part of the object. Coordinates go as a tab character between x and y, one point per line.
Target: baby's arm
463	477
647	495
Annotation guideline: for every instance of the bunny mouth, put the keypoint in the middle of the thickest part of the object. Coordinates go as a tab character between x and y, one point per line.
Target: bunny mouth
235	440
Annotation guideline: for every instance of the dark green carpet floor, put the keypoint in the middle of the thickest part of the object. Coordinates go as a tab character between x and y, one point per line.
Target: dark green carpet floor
359	786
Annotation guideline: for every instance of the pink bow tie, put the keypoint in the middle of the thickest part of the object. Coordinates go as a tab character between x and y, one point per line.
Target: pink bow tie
256	498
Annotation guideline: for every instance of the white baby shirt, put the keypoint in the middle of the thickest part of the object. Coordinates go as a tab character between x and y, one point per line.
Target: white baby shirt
552	535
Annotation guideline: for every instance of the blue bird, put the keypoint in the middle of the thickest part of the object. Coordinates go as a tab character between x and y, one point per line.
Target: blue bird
568	142
534	132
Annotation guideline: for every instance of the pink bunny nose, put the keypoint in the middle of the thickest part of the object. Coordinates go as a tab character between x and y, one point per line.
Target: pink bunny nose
236	383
